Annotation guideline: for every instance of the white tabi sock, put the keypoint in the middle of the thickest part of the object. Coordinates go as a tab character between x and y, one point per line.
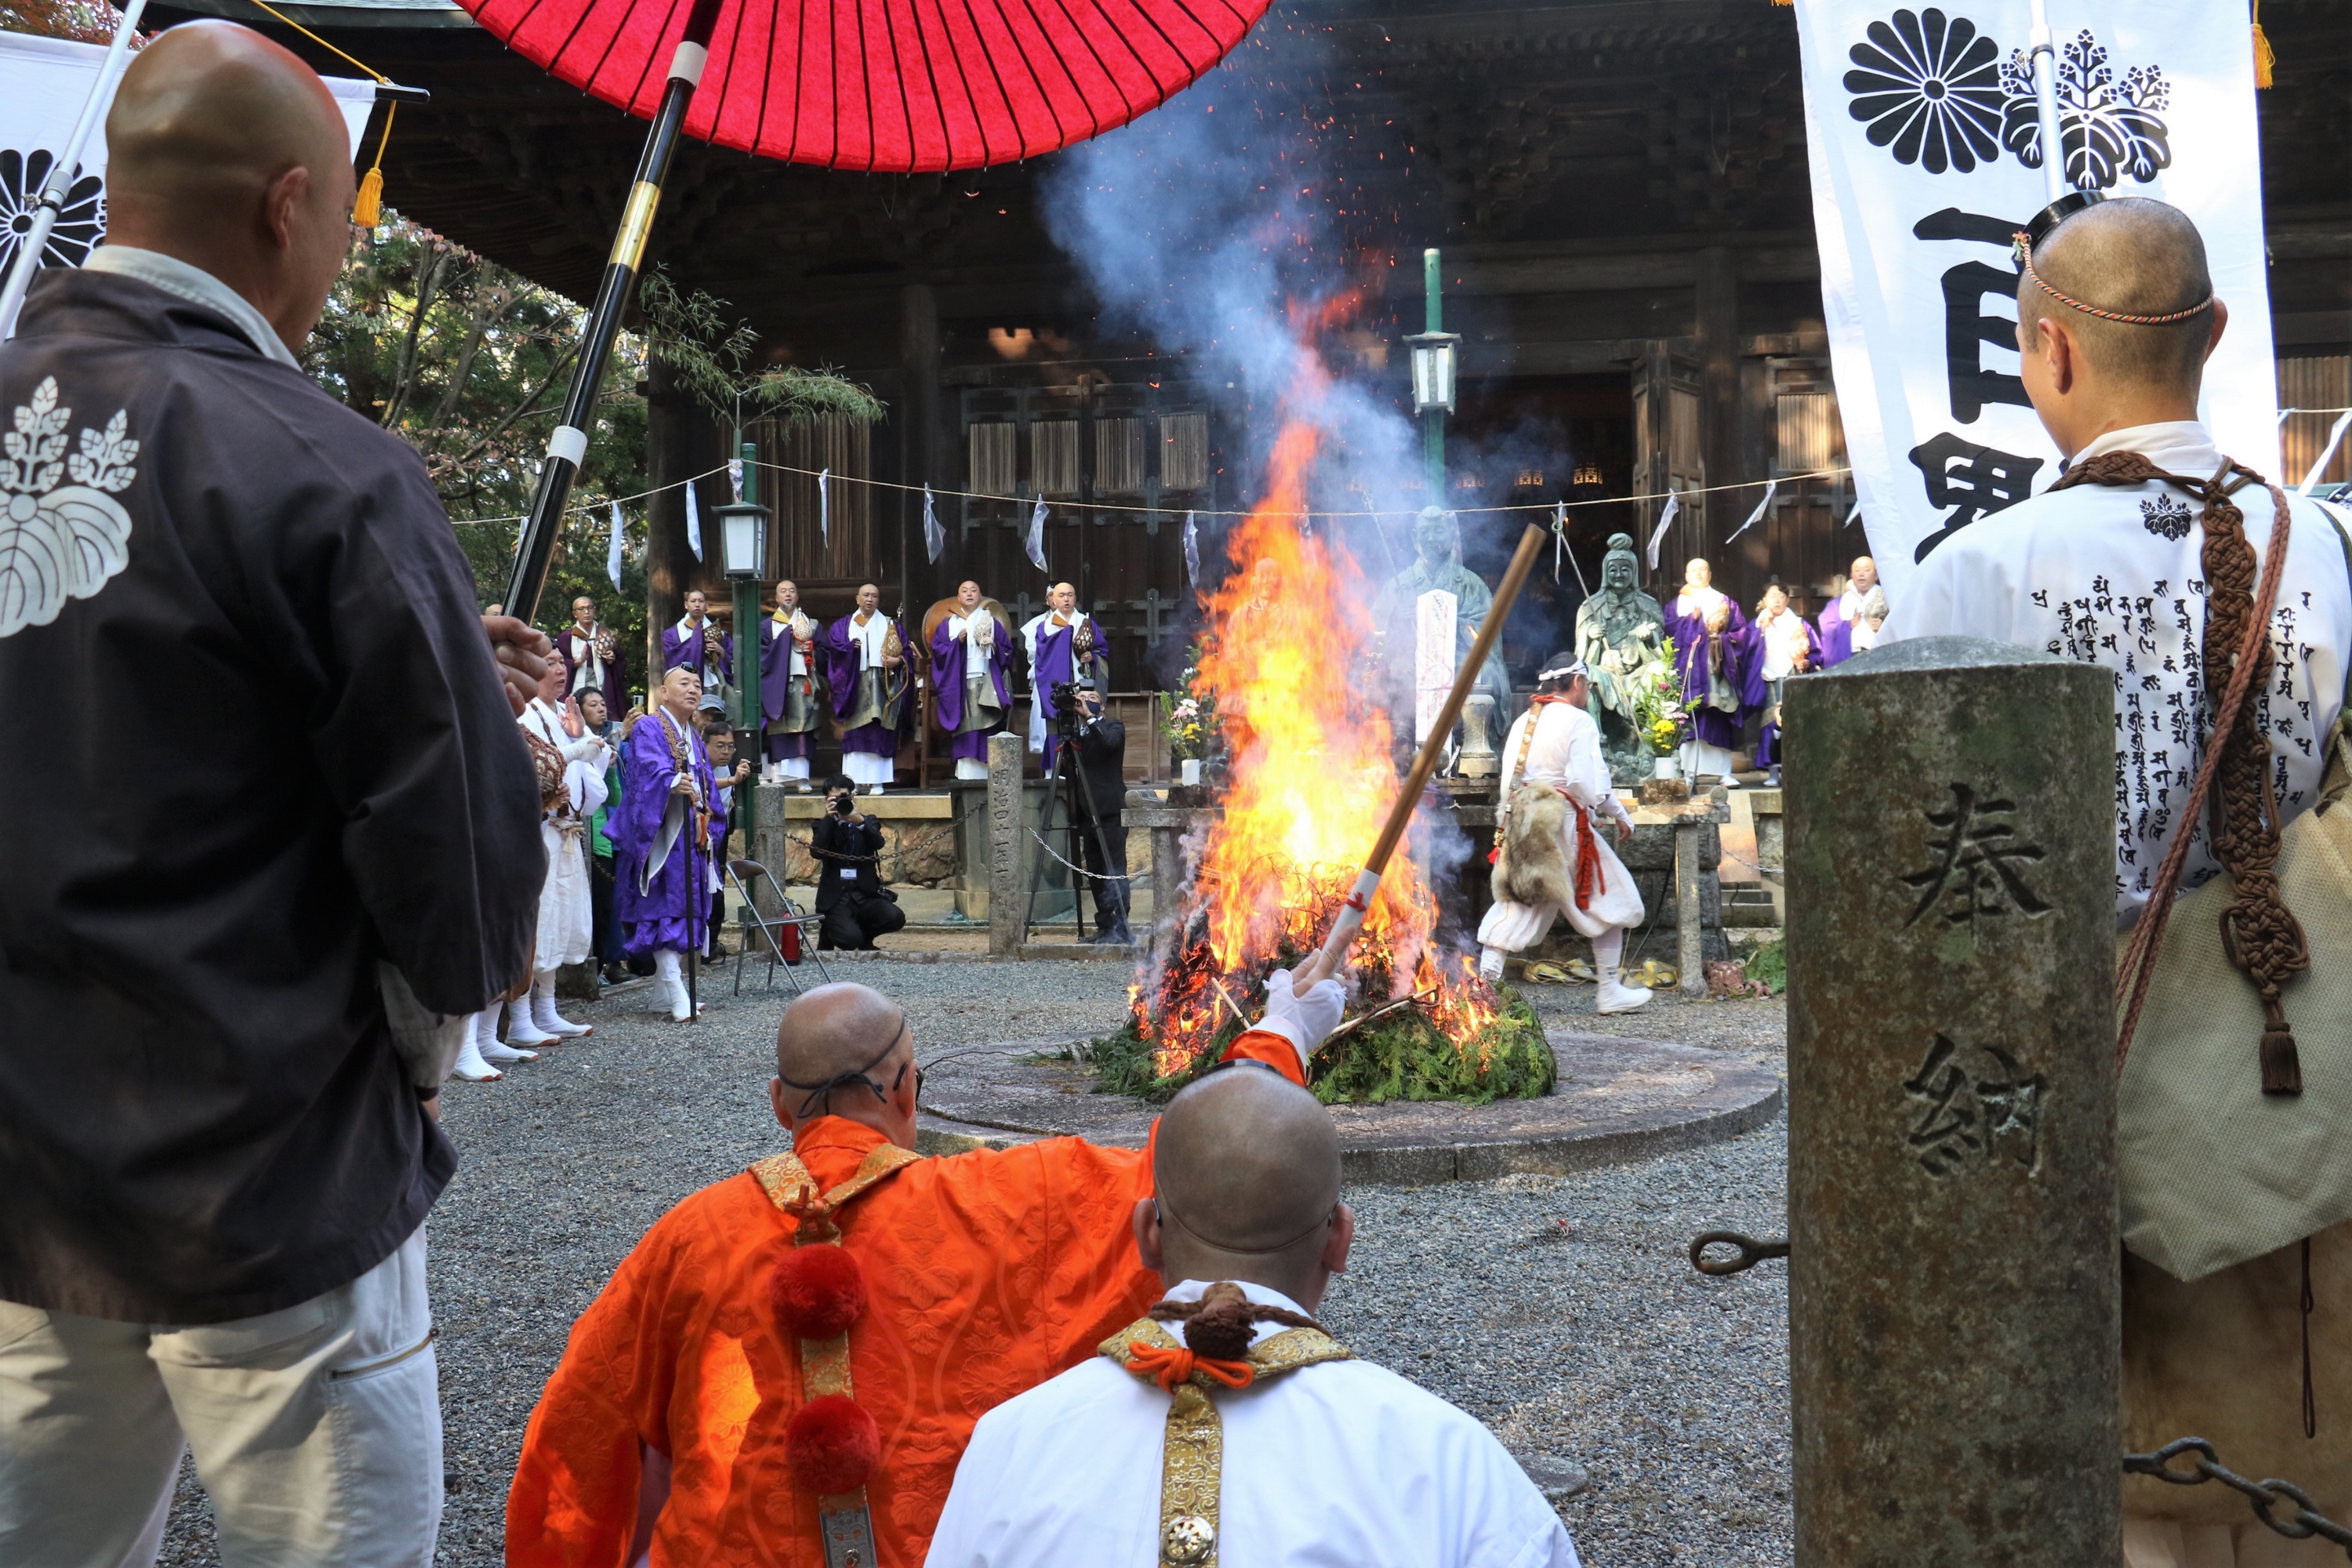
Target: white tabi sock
673	983
521	1027
543	1012
471	1065
1490	962
1616	997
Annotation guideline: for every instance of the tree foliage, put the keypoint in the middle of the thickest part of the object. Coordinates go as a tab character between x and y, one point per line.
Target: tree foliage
84	21
691	334
468	362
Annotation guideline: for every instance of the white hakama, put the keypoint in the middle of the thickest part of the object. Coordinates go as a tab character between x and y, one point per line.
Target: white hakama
1565	754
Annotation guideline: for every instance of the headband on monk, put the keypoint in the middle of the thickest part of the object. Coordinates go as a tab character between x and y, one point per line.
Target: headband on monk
2043	226
1562	666
1168	1214
818	1091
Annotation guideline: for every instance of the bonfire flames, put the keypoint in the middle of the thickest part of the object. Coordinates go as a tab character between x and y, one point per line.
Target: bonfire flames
1309	781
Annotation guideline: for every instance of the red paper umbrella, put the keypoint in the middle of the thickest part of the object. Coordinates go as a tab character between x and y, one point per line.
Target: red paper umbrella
880	85
896	86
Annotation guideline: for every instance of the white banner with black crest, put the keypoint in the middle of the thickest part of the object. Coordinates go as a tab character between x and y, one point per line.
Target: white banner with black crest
43	83
1925	150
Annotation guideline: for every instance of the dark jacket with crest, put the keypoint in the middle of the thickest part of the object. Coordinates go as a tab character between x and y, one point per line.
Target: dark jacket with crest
257	745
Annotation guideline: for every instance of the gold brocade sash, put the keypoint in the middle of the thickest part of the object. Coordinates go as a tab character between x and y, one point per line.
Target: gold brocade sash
1192	1468
843	1519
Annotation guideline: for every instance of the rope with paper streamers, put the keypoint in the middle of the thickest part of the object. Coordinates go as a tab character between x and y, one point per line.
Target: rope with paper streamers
832	478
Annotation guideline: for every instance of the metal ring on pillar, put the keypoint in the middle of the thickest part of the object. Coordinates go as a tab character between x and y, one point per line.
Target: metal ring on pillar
1747	1252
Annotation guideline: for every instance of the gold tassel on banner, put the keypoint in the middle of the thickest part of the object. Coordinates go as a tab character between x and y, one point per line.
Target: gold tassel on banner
2265	58
367	206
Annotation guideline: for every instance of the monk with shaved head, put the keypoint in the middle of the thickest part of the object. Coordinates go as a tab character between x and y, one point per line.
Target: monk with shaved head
797	1354
1225	1420
1063	646
234	983
2144	558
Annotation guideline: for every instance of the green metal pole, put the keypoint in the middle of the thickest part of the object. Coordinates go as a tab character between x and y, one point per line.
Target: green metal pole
747	644
1432	422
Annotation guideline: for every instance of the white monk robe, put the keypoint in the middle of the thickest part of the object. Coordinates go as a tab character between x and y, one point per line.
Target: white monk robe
2112	577
1565	754
566	917
1343	1465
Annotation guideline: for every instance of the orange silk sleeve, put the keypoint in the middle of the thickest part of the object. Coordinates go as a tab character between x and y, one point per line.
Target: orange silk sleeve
1274	1050
574	1503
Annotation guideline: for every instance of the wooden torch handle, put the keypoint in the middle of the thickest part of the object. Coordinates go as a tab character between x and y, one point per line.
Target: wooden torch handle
1352	917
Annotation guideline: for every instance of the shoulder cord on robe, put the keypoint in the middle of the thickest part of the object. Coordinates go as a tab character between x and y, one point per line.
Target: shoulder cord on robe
844	1523
1217	1351
2259	933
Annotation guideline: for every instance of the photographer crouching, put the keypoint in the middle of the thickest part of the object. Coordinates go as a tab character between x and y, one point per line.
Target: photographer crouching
1100	745
848	846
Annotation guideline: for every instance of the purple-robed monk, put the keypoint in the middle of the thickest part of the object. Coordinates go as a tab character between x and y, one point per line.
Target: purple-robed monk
683	644
869	694
973	694
1714	672
661	867
1836	633
788	694
1775	657
1052	641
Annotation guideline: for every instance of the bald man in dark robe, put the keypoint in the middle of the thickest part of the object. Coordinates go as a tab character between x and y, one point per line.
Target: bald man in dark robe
233	982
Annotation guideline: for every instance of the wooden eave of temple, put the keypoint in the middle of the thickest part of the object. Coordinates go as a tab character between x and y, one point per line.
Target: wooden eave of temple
1618	188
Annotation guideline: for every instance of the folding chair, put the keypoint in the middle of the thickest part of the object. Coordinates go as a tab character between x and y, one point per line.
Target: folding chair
746	875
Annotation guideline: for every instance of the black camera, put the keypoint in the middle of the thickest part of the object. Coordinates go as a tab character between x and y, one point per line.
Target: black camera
1069	719
843	805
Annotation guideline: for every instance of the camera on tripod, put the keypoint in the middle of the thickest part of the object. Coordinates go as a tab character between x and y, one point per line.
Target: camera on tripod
1069	721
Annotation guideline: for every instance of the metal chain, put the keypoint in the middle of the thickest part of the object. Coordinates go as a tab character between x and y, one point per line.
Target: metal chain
2302	1524
1081	870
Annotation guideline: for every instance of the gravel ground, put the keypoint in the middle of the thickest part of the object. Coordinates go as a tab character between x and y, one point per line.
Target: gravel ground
1558	1310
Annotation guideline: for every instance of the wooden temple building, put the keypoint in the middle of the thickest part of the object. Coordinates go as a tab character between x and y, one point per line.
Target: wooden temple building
1619	189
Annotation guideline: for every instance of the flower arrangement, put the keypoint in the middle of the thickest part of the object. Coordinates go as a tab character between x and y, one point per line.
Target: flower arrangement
1657	691
1192	723
1187	730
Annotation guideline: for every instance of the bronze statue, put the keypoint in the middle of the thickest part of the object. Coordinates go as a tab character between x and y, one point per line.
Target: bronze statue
1621	636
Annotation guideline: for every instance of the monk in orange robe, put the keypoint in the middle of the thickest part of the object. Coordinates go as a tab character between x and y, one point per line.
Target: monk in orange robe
682	1425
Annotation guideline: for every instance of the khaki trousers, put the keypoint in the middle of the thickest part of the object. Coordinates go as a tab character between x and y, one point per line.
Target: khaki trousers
316	1429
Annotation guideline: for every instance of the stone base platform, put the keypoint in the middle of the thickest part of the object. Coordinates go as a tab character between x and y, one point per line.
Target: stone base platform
1618	1100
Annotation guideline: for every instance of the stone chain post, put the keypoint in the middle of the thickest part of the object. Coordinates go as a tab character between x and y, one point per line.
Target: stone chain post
1953	1301
1008	896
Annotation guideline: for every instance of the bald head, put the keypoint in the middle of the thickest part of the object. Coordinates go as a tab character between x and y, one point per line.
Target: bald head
225	151
844	1028
1246	1165
2137	258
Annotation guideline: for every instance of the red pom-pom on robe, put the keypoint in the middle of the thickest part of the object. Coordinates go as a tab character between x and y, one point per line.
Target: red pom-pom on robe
831	1446
818	1291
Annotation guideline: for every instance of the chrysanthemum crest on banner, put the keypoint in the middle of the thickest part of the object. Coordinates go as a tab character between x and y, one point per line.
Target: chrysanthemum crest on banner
1934	90
59	542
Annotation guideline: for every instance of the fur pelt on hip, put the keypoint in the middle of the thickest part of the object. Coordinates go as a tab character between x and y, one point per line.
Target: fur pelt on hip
1531	862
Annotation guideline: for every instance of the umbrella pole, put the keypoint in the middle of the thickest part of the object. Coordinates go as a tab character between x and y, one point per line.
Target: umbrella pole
567	446
1368	881
62	173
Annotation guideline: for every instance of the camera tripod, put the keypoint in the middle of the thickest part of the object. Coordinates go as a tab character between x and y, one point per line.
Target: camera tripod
1067	788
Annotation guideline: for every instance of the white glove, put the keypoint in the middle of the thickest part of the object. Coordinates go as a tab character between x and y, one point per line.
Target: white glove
1304	1021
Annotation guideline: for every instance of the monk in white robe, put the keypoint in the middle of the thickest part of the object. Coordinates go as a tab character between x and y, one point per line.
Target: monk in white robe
2116	315
1553	860
566	918
1303	1453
